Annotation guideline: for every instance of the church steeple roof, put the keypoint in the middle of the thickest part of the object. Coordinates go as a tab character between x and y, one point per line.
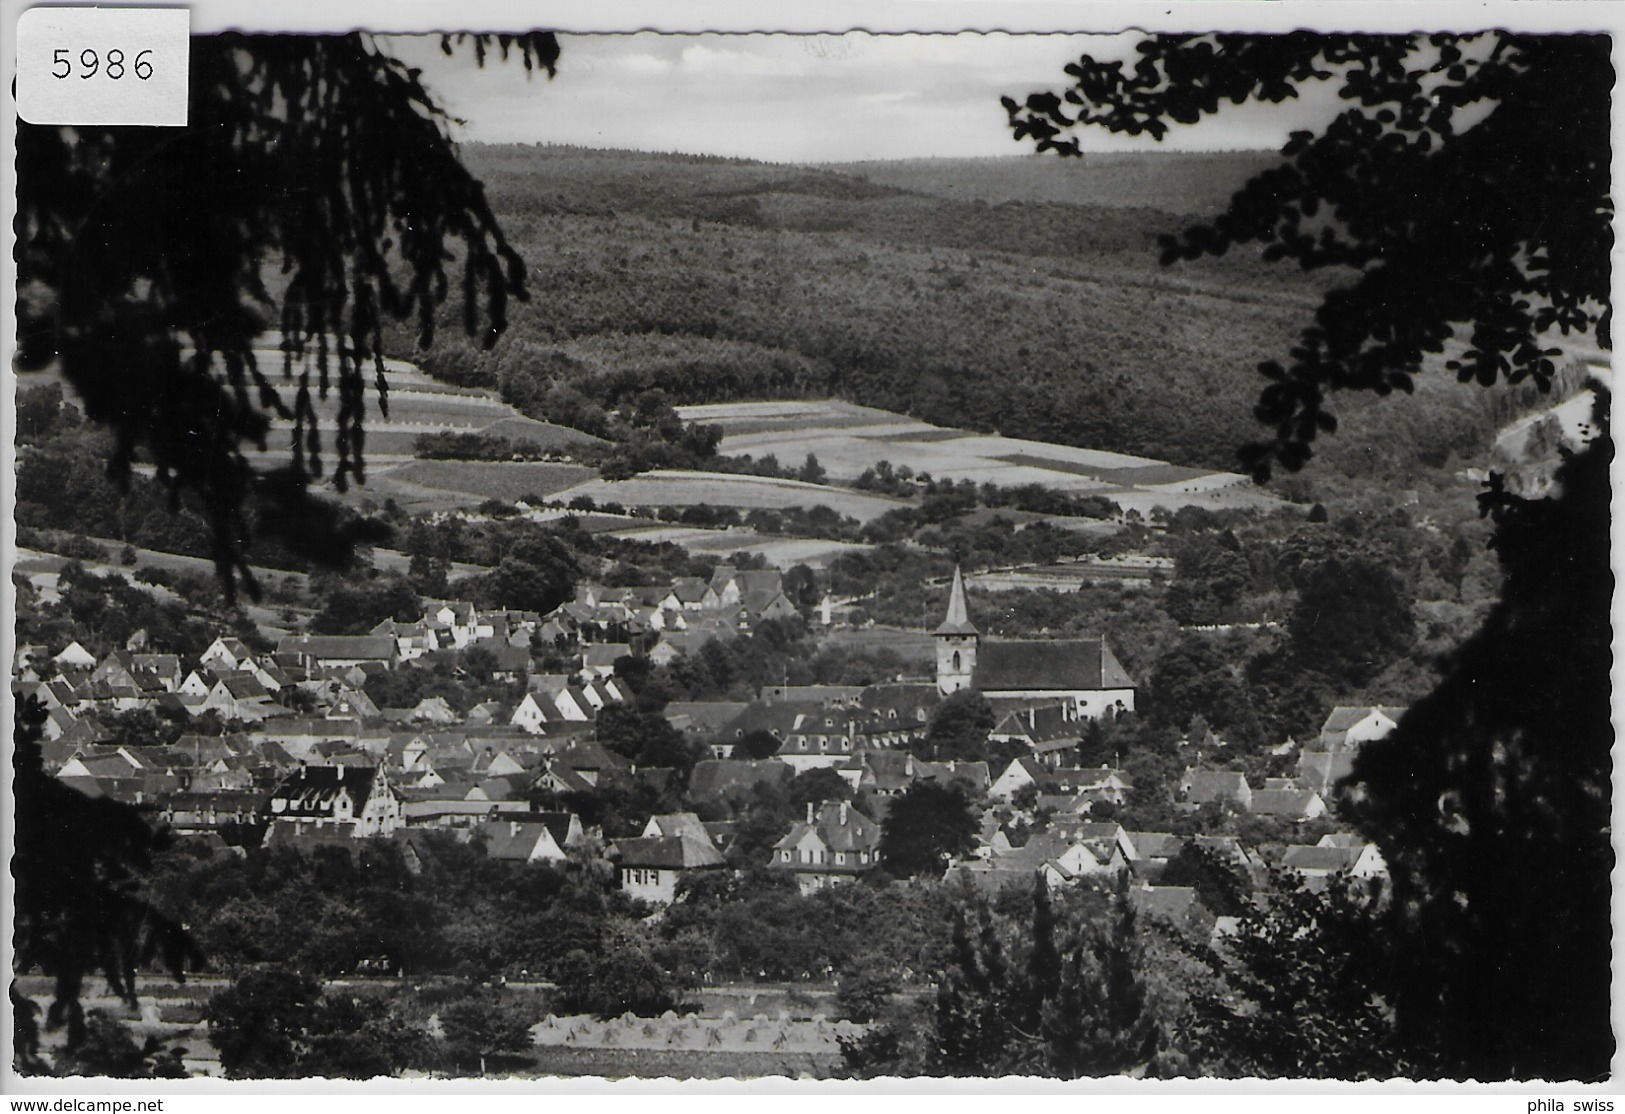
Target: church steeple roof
958	620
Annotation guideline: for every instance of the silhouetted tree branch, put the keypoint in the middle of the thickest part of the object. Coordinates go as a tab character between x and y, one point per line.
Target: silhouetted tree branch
317	190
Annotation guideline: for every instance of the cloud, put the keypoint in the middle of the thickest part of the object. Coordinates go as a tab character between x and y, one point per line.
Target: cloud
800	98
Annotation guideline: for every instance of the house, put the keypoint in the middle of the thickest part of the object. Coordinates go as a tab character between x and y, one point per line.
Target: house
165	667
705	720
523	841
835	844
412	640
238	695
717	779
1081	672
1288	804
1347	728
689	593
1046	730
672	844
315	651
1172	903
1060	859
226	653
355	704
1335	856
598	658
1200	787
74	656
324	796
533	714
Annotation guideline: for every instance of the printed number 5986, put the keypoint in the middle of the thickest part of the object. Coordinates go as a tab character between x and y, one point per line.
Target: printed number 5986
90	63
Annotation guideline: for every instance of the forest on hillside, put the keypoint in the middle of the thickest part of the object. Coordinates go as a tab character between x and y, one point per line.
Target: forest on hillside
720	280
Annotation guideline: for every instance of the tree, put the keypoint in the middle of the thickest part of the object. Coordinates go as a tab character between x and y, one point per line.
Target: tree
1219	885
1303	989
625	980
1490	801
152	308
1497	231
1351	620
273	1022
959	727
485	1023
77	900
816	786
260	1022
1491	804
927	827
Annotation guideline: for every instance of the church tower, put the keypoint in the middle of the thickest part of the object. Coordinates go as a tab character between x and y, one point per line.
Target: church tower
956	642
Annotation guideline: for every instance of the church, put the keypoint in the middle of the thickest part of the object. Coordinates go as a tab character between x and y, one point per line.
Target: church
1081	674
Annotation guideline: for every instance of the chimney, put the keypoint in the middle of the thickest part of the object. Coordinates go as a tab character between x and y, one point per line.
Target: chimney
1032	719
341	771
843	814
809	812
513	829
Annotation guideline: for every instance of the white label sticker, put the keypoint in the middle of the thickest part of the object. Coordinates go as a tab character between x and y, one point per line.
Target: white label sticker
103	65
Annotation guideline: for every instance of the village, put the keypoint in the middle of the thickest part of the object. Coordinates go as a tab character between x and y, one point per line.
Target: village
307	757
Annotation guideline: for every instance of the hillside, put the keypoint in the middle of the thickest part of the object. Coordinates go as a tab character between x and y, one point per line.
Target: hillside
1174	182
720	281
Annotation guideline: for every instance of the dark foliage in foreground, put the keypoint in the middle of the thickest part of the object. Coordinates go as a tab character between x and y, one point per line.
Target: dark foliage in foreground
152	307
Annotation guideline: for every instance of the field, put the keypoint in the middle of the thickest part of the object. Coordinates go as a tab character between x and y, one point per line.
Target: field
780	552
662	488
848	440
506	480
420	405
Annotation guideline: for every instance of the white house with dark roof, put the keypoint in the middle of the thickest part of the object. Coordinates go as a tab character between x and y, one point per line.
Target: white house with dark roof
1349	727
226	653
1081	672
650	866
1200	787
322	796
315	651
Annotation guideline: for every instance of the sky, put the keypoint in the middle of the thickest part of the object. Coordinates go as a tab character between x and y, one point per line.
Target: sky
802	98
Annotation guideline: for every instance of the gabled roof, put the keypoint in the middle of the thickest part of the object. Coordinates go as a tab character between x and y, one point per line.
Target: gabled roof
603	655
717	777
1173	902
311	790
513	840
1210	785
1036	665
689	589
1328	859
683	852
1040	723
1290	803
1345	716
709	716
1154	845
342	647
840	827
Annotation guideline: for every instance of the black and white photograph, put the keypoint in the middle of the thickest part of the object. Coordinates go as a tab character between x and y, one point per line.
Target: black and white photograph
948	545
